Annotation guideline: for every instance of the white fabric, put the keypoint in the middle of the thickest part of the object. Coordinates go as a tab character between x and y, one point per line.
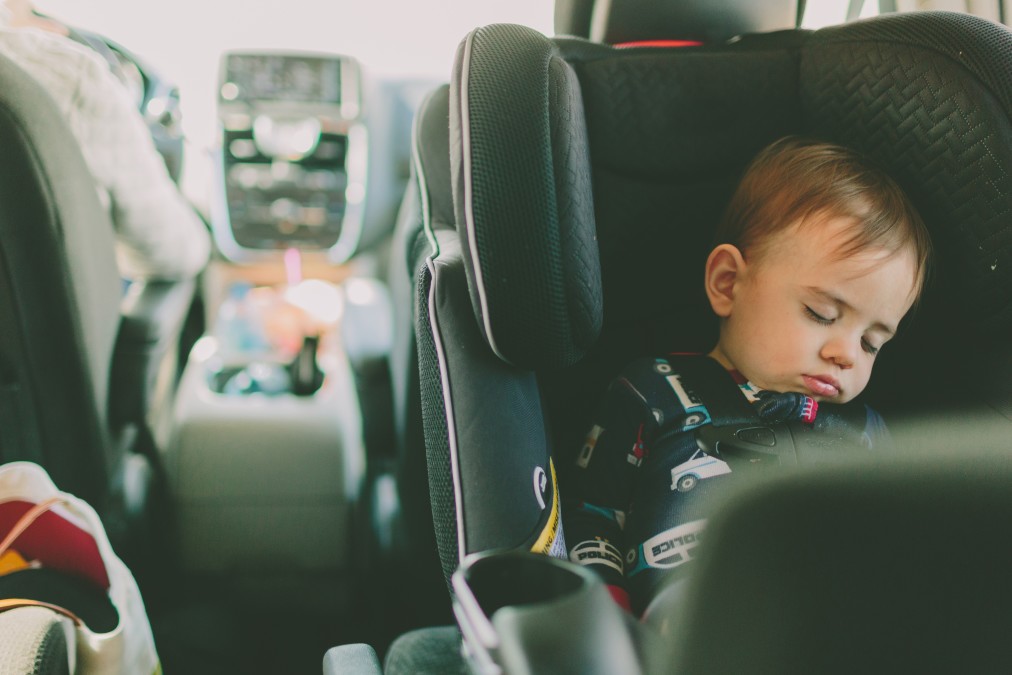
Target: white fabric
158	234
129	649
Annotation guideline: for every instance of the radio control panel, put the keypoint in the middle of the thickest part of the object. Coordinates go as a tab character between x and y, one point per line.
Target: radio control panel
291	155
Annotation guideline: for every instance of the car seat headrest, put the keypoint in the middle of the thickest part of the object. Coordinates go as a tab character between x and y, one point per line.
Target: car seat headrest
522	197
707	21
928	96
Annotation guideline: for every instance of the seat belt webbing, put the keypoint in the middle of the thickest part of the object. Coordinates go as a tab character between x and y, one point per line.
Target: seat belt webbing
717	390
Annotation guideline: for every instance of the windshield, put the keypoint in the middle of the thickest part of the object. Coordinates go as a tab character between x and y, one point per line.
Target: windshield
184	39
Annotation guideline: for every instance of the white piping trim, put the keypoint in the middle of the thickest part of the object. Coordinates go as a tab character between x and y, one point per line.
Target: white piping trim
444	375
451	430
465	127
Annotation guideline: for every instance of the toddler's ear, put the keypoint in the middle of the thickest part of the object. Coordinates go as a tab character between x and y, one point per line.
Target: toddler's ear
723	269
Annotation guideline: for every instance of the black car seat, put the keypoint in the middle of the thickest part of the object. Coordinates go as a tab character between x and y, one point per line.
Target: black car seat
81	364
662	138
428	204
526	310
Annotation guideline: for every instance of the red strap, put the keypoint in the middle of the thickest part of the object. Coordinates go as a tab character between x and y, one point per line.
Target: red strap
621	597
660	43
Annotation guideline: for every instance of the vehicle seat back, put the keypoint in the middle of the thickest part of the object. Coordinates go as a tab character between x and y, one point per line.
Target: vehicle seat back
641	21
885	567
59	295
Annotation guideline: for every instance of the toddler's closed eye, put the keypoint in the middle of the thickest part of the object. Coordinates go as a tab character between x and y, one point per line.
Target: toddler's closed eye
818	318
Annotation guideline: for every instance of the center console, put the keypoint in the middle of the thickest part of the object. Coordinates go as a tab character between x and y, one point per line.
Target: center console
291	163
267	455
265	472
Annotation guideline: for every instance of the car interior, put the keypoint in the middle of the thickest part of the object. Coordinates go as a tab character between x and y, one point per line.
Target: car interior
344	445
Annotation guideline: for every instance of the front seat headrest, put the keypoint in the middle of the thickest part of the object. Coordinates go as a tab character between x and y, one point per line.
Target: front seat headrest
708	21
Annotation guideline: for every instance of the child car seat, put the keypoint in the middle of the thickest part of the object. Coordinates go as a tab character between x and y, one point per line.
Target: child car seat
586	184
527	310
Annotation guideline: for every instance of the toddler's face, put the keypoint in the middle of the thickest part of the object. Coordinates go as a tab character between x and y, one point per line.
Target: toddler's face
803	319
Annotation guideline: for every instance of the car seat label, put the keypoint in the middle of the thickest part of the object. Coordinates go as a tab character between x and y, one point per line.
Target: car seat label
551	540
673	547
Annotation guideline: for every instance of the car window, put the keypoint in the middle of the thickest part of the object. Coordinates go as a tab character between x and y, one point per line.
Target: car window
185	39
819	13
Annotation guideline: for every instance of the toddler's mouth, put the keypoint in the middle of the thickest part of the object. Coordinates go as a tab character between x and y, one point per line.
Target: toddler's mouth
822	385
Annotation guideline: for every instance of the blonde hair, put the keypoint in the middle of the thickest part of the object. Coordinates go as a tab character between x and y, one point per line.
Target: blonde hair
795	180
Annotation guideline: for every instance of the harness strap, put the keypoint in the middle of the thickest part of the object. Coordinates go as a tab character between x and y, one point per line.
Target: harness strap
717	390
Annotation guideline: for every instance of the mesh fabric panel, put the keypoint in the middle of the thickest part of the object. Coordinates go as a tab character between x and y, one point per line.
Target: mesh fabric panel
427	650
434	422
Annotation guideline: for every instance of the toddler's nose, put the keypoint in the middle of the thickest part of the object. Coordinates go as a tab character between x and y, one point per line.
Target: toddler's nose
839	352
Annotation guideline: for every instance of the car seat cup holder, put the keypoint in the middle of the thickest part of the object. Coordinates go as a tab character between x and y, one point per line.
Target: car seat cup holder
521	612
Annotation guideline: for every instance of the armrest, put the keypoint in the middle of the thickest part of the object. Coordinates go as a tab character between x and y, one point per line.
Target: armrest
356	659
152	317
520	612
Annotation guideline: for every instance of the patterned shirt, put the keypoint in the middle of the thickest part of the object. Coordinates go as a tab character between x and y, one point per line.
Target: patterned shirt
159	235
644	483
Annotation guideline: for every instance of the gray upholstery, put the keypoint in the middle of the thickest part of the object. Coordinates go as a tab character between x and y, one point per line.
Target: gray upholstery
355	659
884	568
59	293
427	651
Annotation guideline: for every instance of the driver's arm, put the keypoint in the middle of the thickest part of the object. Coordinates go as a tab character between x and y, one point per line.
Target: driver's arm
159	235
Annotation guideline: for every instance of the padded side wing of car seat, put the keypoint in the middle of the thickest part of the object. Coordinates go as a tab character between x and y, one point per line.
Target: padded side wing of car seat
522	197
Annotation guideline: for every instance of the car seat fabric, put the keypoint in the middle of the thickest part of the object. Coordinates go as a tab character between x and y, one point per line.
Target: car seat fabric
941	130
431	188
428	650
668	133
536	287
886	567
